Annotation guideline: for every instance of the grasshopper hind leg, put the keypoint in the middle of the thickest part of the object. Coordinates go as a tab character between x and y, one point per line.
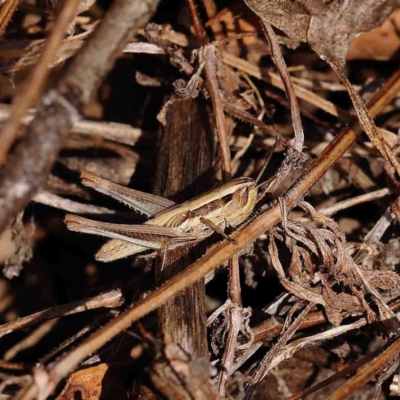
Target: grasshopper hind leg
117	249
164	249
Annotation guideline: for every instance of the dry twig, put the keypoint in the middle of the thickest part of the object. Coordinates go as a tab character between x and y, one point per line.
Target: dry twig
28	166
6	12
112	298
33	86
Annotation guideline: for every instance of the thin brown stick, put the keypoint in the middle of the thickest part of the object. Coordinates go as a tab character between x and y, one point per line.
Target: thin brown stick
34	84
223	251
275	80
354	201
378	230
367	372
265	364
366	120
234	283
112	298
235	321
209	58
338	375
298	141
292	158
342	205
60	347
28	166
52	200
114	131
6	12
245	116
234	288
31	340
198	26
16	366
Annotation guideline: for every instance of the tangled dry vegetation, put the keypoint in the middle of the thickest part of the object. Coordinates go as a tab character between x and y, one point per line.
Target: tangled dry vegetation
177	98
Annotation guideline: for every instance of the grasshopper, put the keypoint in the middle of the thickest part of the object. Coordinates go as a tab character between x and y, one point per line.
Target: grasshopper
170	225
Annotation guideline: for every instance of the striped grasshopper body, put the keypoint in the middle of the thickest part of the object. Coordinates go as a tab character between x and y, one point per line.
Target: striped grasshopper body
171	225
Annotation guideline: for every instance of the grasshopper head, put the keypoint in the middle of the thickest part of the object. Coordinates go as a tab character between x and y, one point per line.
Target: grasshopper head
242	202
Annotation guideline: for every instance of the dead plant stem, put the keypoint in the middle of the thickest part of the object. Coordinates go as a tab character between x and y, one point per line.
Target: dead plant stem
234	289
112	298
209	57
198	26
284	74
363	198
28	166
366	373
6	12
265	364
33	85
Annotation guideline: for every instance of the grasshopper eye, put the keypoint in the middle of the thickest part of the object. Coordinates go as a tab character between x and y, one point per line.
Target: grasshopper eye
241	197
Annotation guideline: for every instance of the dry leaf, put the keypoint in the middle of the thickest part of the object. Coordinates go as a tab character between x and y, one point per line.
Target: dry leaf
340	304
86	383
380	44
385	280
328	26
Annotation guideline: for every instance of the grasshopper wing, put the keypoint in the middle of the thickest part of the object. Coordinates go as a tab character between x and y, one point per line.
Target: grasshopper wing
146	203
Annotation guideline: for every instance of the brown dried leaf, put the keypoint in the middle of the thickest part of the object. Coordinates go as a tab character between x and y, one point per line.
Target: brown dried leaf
295	268
385	280
328	26
85	384
307	262
380	44
331	32
297	290
340	304
323	220
299	233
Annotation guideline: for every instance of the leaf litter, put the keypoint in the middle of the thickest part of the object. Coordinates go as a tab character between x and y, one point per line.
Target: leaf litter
330	286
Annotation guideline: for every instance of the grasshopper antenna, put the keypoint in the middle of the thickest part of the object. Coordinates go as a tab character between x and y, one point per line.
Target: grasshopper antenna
234	37
261	173
262	188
